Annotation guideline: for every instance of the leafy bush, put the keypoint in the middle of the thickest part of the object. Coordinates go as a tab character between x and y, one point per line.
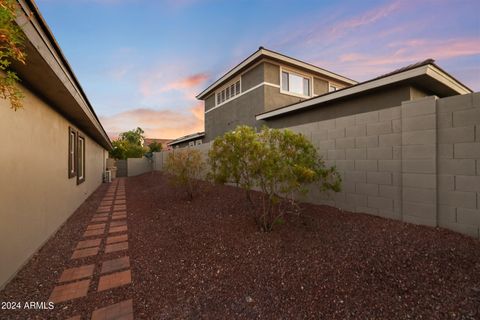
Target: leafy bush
280	163
12	48
185	166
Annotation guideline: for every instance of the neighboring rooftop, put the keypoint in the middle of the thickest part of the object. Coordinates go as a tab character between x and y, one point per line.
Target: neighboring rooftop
186	138
265	53
425	74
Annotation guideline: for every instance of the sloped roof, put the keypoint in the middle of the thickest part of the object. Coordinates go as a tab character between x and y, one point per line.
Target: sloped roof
426	71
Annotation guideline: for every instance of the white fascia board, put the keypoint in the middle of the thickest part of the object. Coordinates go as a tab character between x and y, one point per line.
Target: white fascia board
274	55
447	80
34	33
230	73
309	67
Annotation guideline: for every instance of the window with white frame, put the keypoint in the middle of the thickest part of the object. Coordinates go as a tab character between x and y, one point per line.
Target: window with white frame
228	92
295	83
72	153
332	88
198	142
80	159
191	143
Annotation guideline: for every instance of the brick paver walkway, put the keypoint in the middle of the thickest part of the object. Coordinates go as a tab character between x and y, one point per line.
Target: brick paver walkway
109	227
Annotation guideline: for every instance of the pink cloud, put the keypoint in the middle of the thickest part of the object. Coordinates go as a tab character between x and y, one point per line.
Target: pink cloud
367	18
165	124
363	66
154	84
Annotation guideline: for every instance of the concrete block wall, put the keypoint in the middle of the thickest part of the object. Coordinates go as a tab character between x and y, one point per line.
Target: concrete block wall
160	158
458	136
418	162
137	166
366	149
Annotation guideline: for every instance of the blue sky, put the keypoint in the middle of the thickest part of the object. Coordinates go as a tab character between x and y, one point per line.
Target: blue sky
142	62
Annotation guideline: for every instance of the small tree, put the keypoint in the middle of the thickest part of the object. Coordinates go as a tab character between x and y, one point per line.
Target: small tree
155	147
280	163
185	167
129	145
11	49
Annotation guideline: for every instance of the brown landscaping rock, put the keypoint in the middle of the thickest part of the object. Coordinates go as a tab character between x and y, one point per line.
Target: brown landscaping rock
206	259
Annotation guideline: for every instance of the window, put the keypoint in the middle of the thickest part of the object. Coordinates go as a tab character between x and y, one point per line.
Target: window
80	159
295	84
72	143
198	142
191	143
229	92
332	88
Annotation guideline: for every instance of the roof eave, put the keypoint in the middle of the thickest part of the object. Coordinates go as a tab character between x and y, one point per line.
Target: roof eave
430	70
32	22
180	140
262	52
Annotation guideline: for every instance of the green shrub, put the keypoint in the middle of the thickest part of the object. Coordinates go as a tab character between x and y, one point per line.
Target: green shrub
280	163
185	166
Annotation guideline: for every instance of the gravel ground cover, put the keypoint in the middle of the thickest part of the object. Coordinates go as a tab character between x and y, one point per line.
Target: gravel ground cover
206	259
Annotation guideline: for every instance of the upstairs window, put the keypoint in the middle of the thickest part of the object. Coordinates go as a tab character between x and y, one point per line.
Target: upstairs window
229	92
72	153
295	83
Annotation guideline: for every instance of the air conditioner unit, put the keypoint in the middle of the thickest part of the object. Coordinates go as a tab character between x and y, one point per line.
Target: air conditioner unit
108	176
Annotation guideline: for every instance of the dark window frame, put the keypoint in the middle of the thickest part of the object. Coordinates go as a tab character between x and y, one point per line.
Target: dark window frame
72	156
82	137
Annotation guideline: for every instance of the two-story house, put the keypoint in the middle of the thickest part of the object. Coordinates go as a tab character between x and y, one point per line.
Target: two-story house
279	91
264	81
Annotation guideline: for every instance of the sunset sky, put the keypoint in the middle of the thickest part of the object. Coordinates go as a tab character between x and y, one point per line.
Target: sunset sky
141	63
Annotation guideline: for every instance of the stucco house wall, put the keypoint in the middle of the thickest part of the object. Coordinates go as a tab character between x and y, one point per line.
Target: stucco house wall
36	194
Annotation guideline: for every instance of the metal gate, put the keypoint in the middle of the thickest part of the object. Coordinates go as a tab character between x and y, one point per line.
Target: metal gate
122	169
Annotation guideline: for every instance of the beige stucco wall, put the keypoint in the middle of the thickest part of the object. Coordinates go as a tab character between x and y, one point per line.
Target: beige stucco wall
36	195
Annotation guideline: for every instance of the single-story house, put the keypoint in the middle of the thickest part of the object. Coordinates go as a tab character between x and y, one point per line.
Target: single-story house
190	140
54	149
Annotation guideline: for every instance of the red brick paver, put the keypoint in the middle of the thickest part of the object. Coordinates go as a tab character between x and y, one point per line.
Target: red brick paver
104	209
120	207
114	280
96	226
116	247
75	280
88	243
114	239
69	291
82	253
77	273
117	229
115	265
118	311
90	233
118	223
